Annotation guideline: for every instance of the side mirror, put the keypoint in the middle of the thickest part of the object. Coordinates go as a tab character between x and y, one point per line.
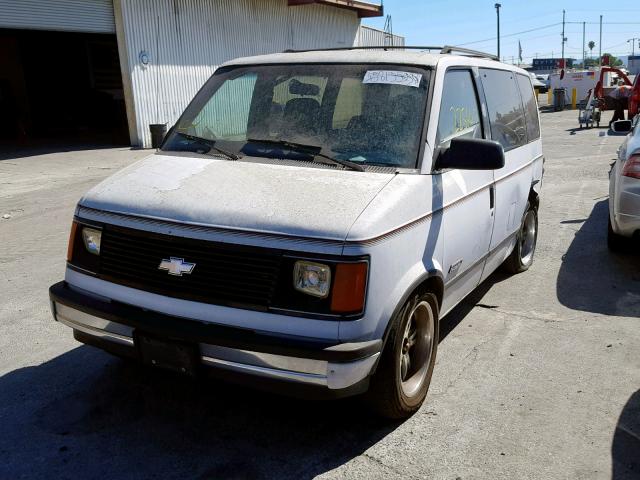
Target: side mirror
472	154
621	126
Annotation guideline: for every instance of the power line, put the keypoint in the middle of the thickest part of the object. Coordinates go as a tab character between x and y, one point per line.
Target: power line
523	39
609	10
510	34
613	46
609	23
544	27
550	54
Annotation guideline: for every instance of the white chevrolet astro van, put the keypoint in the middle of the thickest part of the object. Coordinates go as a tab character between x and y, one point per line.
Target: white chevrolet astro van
310	219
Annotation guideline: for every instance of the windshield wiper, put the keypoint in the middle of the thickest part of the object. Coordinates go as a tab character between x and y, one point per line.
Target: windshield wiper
211	144
310	149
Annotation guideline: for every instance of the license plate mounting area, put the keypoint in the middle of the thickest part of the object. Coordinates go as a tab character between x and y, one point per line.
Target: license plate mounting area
174	355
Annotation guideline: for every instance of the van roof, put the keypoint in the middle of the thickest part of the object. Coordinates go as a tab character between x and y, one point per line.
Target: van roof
397	55
342	56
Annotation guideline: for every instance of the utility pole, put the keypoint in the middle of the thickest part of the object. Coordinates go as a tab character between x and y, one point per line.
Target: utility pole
388	31
497	5
583	47
633	45
563	38
600	44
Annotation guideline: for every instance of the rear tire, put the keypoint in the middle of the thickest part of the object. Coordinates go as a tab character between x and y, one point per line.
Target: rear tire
615	242
400	384
521	258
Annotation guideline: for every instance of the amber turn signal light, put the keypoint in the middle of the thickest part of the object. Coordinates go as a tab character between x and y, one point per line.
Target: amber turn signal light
349	287
72	237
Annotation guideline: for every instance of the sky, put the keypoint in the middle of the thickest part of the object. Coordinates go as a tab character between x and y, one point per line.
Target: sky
536	24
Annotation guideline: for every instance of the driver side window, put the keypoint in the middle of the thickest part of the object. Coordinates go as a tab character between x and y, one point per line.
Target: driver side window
459	111
226	114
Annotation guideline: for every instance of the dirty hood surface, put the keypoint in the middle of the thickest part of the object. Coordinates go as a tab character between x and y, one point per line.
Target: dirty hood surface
283	199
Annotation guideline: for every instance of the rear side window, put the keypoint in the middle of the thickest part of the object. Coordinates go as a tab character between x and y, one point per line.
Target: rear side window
459	112
505	108
530	107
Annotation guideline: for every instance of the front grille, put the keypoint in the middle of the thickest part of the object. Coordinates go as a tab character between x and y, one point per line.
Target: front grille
224	274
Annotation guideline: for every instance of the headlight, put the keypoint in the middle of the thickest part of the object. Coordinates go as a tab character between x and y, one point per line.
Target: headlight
91	238
84	247
312	278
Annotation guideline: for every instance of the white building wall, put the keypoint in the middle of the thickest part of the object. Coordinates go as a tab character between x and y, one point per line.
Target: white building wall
371	37
185	40
633	65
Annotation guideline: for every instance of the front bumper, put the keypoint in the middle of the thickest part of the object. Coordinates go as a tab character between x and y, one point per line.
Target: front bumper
299	367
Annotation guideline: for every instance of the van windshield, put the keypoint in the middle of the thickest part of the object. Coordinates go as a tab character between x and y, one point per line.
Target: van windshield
358	114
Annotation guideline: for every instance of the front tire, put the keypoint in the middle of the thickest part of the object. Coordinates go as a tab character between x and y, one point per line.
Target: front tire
401	382
521	258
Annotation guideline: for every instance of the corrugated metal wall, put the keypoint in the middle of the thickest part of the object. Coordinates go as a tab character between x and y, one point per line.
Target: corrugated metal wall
368	36
185	40
67	15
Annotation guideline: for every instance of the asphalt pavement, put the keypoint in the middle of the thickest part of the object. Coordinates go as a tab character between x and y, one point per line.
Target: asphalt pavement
538	375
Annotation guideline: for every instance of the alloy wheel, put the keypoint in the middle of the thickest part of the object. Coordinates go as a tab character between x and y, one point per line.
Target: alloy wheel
528	237
417	347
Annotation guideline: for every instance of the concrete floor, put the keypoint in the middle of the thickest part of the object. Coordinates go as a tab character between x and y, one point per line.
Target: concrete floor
538	375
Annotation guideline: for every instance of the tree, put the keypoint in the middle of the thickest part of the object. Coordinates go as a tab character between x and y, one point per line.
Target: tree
591	46
613	60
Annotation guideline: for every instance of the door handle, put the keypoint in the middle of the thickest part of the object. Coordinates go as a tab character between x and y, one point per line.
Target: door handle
492	197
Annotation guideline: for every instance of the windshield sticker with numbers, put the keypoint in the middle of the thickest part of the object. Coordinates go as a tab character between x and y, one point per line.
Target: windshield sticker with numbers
393	77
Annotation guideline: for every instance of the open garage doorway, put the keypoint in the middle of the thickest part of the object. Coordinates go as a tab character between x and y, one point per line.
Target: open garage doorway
60	89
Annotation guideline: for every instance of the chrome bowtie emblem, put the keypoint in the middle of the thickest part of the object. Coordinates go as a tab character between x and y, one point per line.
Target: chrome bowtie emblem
176	266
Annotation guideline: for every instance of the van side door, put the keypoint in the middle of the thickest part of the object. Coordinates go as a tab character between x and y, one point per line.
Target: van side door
520	140
467	195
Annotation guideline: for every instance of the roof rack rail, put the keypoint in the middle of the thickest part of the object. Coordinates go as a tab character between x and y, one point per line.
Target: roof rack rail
466	51
365	47
447	49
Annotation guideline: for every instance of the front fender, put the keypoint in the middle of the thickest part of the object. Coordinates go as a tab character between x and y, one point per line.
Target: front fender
391	282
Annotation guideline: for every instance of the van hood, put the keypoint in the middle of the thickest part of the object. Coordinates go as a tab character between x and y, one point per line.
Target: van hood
268	198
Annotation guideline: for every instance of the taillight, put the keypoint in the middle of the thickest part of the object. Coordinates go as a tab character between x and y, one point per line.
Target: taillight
632	167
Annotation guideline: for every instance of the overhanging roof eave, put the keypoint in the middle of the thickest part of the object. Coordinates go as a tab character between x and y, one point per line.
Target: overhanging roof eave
363	9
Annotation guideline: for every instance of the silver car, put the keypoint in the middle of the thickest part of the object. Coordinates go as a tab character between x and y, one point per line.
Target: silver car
624	188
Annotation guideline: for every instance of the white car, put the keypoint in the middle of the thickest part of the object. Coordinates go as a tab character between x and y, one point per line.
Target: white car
539	82
624	189
310	219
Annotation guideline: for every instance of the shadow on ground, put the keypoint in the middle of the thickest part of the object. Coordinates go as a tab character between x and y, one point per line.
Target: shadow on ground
593	279
471	301
85	414
625	451
601	128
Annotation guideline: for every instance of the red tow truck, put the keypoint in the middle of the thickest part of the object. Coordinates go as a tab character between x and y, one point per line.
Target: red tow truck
634	99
